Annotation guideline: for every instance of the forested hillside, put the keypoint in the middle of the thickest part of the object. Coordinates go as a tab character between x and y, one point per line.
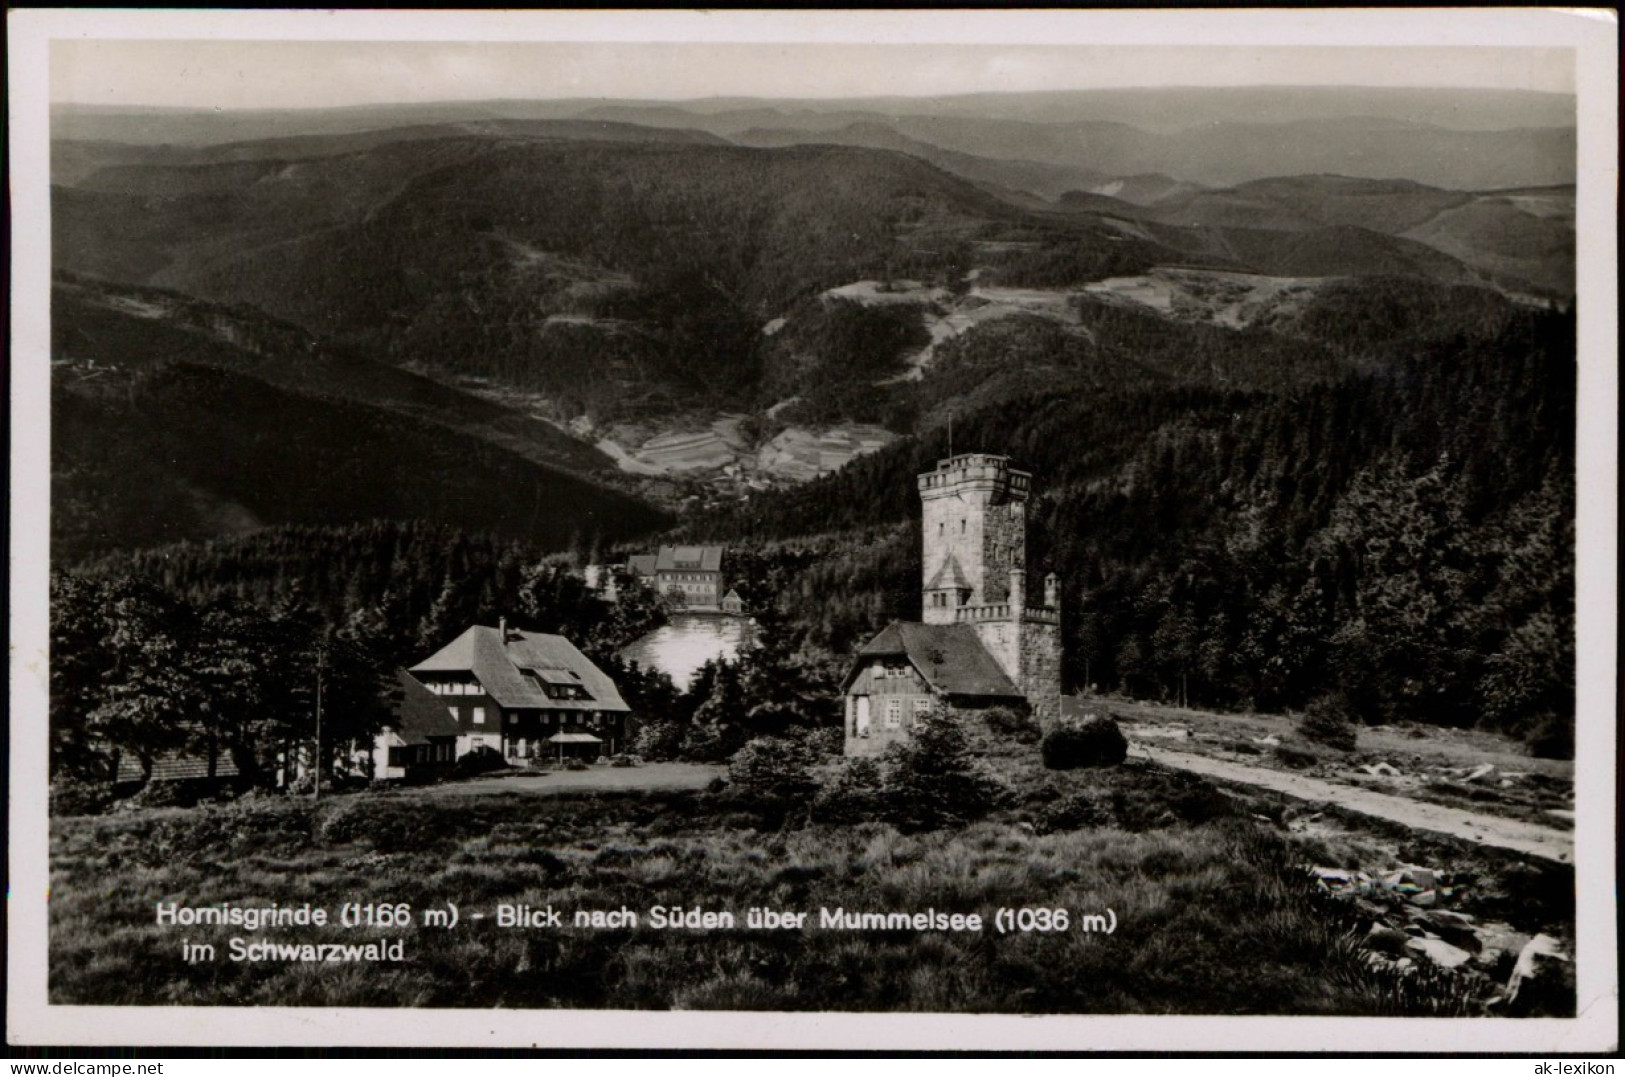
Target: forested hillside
1399	539
174	420
1302	439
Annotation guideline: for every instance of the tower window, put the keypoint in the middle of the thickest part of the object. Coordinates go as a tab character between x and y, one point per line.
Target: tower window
961	527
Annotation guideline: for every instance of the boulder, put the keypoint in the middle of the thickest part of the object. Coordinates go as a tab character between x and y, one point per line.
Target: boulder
1497	942
1441	953
1542	981
1453	928
1386	940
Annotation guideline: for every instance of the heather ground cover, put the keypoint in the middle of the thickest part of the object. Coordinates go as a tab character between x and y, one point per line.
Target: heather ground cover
1211	907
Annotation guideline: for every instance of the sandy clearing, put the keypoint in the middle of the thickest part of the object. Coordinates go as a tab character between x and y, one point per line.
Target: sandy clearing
1527	838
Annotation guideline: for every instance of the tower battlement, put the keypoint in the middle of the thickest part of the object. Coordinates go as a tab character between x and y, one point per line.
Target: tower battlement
980	471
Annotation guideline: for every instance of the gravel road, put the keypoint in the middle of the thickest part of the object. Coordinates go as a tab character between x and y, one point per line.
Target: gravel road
1539	841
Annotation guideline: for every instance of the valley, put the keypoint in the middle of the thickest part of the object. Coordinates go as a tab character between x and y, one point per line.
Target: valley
667	300
1271	392
760	324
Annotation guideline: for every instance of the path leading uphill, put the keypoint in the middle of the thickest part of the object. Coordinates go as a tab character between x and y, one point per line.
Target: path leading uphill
1502	833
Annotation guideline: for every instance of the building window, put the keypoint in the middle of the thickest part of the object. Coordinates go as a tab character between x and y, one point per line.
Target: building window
961	527
922	705
479	715
894	714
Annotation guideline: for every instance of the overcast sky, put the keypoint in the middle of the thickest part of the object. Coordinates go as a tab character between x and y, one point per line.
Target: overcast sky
301	74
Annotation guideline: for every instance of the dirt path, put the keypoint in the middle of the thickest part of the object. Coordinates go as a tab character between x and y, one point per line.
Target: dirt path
1543	842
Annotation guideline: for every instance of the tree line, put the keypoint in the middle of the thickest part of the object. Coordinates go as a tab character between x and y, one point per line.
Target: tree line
215	649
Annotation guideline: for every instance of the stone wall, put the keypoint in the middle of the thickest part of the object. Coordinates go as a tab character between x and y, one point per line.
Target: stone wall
1004	547
1041	668
1002	640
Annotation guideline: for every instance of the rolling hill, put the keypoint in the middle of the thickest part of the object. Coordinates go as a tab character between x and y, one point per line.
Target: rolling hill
1000	175
173	420
1214	136
644	283
626	277
1523	239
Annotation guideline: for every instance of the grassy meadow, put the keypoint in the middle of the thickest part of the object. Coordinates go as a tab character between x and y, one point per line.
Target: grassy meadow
1214	911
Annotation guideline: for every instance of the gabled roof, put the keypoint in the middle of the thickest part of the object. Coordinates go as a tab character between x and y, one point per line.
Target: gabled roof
689	558
950	575
950	657
500	669
175	767
420	714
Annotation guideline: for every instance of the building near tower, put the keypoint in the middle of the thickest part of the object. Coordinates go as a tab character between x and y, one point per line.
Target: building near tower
982	641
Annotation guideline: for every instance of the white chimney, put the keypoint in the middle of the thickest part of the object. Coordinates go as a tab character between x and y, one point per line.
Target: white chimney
502	630
1052	591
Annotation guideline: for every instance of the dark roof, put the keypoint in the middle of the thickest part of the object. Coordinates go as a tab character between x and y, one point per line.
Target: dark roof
643	564
950	657
175	767
689	558
420	714
512	674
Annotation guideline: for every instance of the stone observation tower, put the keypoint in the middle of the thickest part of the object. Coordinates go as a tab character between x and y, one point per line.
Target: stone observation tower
974	530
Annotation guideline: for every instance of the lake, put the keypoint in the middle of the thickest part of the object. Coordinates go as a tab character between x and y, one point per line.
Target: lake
689	641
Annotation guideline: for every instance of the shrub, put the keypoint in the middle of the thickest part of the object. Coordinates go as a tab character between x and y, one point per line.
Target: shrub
854	793
773	770
1551	738
1074	812
1012	724
349	821
173	794
659	740
1326	721
575	764
1095	741
933	780
80	796
482	760
826	741
703	743
1297	758
625	761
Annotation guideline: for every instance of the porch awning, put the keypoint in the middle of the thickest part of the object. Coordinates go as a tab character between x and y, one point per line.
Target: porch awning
574	738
